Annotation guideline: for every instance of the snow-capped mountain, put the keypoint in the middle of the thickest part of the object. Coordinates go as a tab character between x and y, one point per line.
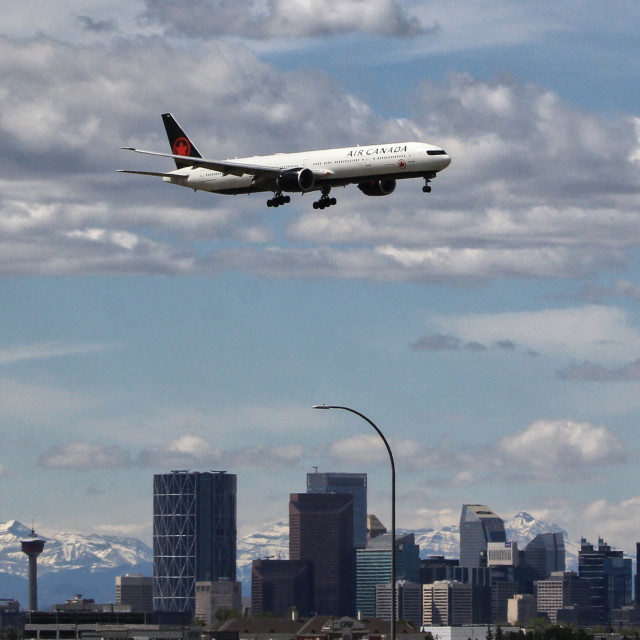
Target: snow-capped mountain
270	543
70	564
522	528
69	551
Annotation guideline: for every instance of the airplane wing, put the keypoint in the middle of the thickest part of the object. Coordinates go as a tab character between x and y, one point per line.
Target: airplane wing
158	174
227	167
224	166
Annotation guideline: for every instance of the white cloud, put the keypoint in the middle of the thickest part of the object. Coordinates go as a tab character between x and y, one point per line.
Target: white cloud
590	372
551	450
45	350
283	18
84	456
615	521
190	446
134	530
65	211
368	448
189	451
545	452
437	518
184	451
590	332
38	403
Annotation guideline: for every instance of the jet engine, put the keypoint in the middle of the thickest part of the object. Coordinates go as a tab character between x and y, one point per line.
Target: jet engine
297	180
377	187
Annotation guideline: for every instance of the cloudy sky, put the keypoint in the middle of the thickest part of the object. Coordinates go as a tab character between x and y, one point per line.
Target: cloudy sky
491	328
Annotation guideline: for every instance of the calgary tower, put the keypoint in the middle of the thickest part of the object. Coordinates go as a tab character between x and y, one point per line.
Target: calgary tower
33	547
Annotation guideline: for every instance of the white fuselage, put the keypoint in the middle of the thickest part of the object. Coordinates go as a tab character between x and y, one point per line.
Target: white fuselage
331	167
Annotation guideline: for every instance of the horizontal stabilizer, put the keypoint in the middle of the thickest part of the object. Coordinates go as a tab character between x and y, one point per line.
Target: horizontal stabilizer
158	174
225	167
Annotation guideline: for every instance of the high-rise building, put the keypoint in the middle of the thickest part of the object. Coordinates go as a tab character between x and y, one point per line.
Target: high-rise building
501	592
561	591
481	580
212	596
353	483
278	585
435	568
373	566
637	578
521	608
194	535
479	525
375	528
135	590
321	532
408	601
446	603
545	553
609	574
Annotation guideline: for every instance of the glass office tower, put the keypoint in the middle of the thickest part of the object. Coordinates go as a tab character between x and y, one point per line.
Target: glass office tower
353	483
321	532
610	576
545	553
479	525
194	535
373	566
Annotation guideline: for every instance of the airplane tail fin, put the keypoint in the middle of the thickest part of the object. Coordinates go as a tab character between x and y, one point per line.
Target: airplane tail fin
179	141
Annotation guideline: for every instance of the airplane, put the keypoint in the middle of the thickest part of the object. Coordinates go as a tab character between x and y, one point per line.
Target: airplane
374	168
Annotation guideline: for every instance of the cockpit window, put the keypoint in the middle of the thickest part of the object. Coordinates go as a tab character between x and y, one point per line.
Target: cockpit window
436	152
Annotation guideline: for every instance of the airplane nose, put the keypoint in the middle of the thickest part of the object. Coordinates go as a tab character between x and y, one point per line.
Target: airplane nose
439	157
444	161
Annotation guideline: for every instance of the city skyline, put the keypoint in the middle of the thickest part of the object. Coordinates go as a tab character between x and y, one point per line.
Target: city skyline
490	328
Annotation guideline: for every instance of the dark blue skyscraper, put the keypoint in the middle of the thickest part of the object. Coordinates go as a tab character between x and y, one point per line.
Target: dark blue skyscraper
353	483
194	535
545	553
479	525
609	574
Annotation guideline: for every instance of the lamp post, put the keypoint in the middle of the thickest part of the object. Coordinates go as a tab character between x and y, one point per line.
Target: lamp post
393	510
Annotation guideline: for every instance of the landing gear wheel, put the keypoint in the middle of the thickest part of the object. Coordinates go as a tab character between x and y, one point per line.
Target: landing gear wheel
325	201
278	199
426	188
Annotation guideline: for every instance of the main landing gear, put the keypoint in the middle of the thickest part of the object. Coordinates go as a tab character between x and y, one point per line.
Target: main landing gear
278	199
325	201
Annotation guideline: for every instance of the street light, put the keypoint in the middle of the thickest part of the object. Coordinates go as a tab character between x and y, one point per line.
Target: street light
393	510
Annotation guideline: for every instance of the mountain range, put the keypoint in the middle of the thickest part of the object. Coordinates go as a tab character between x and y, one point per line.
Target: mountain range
73	563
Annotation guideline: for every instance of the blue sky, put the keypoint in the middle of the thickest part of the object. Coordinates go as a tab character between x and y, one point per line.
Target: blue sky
491	329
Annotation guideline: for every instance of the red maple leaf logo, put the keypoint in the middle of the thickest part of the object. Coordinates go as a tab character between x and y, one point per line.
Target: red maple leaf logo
181	147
